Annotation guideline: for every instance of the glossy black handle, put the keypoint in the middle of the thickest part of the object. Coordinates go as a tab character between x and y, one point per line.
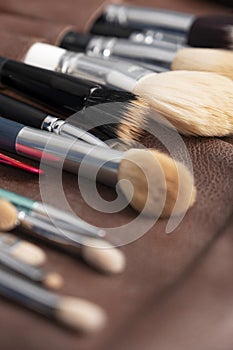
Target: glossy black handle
20	112
61	91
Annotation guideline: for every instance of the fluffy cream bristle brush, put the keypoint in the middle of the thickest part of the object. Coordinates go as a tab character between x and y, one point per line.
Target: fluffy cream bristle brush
26	252
195	103
152	182
98	253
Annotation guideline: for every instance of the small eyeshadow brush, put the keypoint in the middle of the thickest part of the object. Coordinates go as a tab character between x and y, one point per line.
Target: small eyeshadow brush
76	313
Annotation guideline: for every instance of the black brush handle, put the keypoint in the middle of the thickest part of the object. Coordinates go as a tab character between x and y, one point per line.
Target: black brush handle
101	27
74	41
20	112
66	93
9	131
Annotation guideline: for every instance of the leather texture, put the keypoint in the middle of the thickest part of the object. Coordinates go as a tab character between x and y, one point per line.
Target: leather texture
176	292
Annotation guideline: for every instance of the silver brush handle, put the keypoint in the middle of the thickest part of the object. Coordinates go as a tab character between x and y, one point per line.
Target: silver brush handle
159	38
105	47
60	127
112	72
143	17
68	154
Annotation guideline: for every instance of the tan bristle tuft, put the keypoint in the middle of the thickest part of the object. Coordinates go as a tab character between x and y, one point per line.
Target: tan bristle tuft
53	280
157	180
29	253
8	215
196	103
103	256
135	119
205	60
81	314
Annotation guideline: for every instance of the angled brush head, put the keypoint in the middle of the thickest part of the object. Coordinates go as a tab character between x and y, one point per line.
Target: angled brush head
206	60
212	31
196	103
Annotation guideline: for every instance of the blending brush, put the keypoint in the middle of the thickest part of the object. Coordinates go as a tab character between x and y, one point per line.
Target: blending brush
31	116
196	103
98	253
210	60
114	114
19	165
22	250
76	313
156	184
204	31
50	280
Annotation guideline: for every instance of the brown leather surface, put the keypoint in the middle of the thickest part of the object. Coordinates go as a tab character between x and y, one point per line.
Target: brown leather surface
176	292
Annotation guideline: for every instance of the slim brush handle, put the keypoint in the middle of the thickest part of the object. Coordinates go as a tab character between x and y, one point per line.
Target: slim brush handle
27	294
98	45
21	112
18	266
144	17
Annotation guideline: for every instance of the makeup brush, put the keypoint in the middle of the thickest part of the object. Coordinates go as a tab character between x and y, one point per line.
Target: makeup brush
204	31
49	280
61	218
210	60
22	250
156	178
98	253
196	103
78	314
125	113
31	116
20	165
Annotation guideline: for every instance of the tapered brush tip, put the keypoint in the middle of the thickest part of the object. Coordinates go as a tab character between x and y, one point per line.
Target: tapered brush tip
29	253
103	256
156	184
53	281
8	216
81	315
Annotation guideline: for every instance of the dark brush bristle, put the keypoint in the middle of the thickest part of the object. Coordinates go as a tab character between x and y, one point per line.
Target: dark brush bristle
212	32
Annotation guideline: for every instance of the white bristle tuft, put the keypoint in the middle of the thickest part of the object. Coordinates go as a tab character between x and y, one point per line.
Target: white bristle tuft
196	103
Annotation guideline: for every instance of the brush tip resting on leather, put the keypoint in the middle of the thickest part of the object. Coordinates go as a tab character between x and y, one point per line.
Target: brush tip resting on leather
155	184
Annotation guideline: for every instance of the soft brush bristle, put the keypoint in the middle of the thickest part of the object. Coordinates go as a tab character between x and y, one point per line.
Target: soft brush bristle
8	215
205	60
196	103
135	118
161	186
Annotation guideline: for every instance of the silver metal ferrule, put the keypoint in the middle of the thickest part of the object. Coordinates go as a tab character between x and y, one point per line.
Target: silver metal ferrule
61	127
144	17
45	230
123	48
65	220
159	39
98	163
114	73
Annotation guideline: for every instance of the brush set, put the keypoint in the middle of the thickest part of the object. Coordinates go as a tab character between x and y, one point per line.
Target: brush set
104	88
